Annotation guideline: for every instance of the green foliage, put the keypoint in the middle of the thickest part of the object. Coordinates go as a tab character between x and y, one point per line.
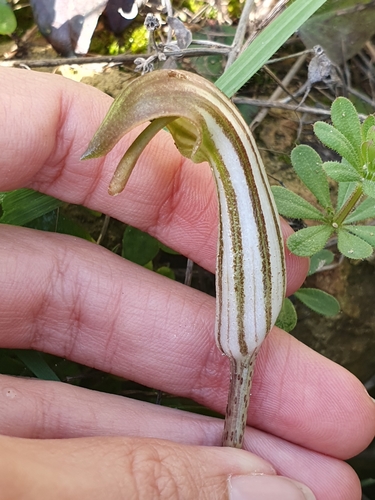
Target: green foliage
287	318
32	209
167	272
135	41
138	247
114	48
294	206
308	165
138	40
319	301
167	249
56	222
266	44
24	205
352	246
141	248
365	210
193	5
309	240
235	8
338	24
36	363
319	260
8	22
355	175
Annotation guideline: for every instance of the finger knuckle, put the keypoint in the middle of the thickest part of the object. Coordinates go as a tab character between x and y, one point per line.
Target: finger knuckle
158	475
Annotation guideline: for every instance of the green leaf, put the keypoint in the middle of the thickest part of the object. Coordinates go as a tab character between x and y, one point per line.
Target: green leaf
370	136
8	21
24	205
351	246
368	155
308	166
345	191
167	249
319	260
35	362
319	301
369	188
65	225
167	272
138	247
340	172
333	139
345	119
57	223
291	205
310	240
366	125
287	318
366	233
266	44
10	364
365	210
212	66
46	222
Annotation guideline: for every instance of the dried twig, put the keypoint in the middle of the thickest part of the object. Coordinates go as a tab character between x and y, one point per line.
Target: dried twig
189	272
240	32
113	60
279	7
277	93
281	105
103	230
361	96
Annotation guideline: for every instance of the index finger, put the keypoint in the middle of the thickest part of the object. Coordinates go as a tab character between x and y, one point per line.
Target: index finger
168	196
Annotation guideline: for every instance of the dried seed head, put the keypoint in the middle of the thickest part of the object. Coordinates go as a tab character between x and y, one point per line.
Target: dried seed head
152	23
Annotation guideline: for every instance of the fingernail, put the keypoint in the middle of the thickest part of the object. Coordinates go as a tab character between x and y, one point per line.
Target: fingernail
263	487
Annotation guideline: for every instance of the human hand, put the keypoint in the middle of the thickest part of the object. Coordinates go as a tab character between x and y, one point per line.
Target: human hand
76	300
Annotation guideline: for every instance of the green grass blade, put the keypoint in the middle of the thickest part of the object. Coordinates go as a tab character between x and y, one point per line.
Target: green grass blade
266	44
34	361
24	205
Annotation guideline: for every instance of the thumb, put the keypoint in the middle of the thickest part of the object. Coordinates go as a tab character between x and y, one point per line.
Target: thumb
135	468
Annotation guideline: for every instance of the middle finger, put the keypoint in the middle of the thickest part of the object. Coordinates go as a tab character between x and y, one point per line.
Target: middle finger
82	302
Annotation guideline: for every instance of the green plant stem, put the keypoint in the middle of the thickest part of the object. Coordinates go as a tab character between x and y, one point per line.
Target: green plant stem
348	206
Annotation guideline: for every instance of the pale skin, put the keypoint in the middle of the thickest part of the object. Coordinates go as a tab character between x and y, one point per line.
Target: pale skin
77	300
